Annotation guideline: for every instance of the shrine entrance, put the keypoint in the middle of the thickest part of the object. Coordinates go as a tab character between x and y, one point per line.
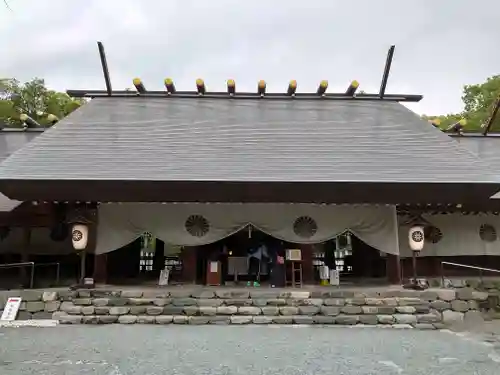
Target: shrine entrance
234	254
353	259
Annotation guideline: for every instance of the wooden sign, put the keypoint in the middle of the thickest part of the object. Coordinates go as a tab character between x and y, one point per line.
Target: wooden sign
11	308
164	276
334	278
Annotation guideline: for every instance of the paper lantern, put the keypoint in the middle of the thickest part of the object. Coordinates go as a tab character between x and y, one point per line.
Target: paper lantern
80	236
416	238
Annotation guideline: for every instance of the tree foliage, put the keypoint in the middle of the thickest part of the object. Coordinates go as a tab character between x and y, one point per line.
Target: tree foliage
34	99
478	105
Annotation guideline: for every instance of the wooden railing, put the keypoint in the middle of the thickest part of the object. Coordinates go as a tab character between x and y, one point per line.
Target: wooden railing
32	266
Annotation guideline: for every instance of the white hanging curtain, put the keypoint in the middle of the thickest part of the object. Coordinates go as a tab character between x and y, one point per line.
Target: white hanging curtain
115	228
193	224
458	235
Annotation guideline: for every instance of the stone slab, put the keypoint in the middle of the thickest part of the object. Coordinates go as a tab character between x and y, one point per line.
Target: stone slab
127	319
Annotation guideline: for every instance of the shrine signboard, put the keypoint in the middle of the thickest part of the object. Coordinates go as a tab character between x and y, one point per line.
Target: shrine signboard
11	308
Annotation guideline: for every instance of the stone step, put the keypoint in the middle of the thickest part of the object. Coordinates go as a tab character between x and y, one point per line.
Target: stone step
395	321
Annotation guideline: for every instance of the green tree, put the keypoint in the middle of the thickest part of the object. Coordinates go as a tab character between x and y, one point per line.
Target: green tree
479	101
7	111
29	98
60	103
34	99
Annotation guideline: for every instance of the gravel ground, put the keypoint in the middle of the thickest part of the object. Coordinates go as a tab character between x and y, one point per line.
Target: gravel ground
220	350
485	327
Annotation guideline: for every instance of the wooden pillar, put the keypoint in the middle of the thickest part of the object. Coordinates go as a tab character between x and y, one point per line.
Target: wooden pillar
393	268
83	265
25	250
188	257
307	264
159	257
100	268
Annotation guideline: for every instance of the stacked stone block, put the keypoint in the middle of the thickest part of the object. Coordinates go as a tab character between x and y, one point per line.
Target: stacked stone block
429	309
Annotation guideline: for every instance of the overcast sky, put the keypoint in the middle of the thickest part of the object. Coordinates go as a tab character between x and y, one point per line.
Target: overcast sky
440	44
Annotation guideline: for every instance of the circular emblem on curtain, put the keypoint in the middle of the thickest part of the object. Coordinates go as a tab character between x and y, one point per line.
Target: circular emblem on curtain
305	227
487	233
77	235
197	225
433	234
417	236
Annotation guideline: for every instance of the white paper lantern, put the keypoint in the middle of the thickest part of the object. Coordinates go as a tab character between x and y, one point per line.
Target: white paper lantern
79	236
416	238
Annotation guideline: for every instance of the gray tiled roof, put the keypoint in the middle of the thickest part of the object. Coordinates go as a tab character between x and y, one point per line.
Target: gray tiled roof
245	140
487	148
13	140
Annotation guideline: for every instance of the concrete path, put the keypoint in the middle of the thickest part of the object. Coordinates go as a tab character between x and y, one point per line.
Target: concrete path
185	350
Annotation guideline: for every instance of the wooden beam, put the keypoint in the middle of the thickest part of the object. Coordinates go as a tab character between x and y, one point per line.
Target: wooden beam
387	70
493	115
244	95
105	70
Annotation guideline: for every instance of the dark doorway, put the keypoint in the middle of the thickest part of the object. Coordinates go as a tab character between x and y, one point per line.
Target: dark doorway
355	260
366	261
134	264
233	251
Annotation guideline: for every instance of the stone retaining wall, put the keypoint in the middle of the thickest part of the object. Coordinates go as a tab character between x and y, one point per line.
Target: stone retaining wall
429	309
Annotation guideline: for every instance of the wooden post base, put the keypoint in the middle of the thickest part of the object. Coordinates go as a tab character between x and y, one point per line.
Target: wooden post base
393	268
